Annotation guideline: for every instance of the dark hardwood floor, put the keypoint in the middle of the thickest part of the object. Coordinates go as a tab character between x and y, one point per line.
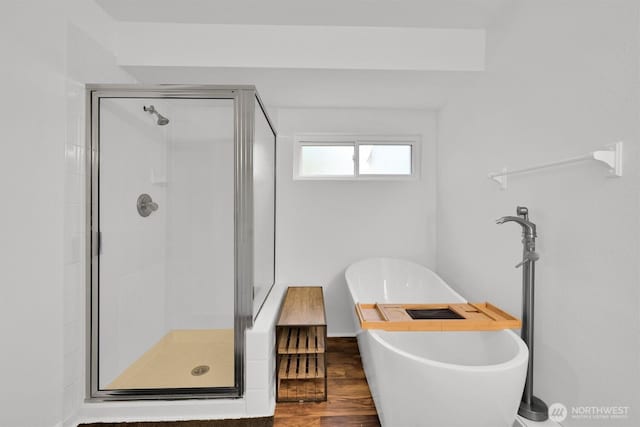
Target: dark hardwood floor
244	422
349	401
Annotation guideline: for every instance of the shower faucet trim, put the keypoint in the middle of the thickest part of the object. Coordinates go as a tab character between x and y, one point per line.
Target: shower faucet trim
145	205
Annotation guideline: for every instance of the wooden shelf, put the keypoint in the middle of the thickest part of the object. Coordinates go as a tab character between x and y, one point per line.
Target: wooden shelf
296	340
301	336
301	366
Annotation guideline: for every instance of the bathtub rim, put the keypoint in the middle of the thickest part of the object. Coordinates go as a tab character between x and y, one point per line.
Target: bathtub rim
521	356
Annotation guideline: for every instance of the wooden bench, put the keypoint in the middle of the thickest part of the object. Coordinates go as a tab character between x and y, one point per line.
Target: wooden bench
301	336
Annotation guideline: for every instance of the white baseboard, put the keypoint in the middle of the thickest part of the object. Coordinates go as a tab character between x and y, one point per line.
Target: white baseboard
71	421
341	334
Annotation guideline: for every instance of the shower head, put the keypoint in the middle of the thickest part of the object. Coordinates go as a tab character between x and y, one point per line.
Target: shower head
162	120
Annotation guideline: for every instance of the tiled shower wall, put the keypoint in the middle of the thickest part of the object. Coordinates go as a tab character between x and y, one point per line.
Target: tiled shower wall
74	250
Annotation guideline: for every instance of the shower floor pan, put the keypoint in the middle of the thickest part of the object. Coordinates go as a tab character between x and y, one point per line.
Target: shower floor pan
180	360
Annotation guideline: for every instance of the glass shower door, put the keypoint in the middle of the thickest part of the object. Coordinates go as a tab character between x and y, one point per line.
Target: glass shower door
166	260
264	198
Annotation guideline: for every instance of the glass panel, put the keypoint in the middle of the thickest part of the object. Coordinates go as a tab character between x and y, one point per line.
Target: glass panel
384	159
264	151
166	267
326	160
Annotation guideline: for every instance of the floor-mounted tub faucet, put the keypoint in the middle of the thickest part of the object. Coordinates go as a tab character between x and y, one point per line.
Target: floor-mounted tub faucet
531	407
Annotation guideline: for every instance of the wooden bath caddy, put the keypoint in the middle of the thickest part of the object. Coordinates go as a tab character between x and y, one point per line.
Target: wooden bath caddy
471	317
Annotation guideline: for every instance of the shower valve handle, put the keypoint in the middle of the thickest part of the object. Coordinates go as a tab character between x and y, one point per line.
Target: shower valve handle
146	205
152	205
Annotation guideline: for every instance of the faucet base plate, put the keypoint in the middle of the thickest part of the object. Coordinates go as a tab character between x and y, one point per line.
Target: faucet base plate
535	411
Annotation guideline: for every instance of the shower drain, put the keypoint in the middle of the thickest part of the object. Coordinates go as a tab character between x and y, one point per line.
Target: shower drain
200	370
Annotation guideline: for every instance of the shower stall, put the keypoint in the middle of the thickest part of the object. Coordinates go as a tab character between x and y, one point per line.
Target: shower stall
181	241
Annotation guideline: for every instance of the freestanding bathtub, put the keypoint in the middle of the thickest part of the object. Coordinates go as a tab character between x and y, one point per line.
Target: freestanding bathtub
434	379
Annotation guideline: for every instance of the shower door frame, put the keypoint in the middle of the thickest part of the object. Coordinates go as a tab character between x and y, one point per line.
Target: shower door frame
244	101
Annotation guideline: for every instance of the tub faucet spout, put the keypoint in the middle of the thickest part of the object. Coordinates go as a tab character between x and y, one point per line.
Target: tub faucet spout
528	228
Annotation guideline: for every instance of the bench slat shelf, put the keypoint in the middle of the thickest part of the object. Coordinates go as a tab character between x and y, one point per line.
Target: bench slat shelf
296	340
301	366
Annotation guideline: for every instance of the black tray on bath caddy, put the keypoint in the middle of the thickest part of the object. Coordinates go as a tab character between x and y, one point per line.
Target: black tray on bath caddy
433	313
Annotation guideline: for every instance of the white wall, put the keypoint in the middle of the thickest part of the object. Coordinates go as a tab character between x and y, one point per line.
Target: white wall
323	226
42	116
33	119
562	79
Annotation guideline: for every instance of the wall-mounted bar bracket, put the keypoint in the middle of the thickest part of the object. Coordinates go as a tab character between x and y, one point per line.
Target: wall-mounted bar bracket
500	178
611	156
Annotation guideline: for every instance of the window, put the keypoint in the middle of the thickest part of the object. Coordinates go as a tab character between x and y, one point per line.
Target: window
353	157
326	160
384	159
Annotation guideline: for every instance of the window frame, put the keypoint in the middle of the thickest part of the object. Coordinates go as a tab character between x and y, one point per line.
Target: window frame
355	140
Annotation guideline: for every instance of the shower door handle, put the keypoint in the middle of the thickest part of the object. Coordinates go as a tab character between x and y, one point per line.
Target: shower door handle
97	243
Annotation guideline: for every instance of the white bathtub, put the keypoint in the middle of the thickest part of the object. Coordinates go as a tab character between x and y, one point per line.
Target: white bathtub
434	379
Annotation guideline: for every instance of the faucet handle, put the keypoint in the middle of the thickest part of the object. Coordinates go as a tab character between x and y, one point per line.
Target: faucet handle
529	256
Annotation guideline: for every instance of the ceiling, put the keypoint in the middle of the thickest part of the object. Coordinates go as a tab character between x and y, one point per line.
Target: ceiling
376	13
316	87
